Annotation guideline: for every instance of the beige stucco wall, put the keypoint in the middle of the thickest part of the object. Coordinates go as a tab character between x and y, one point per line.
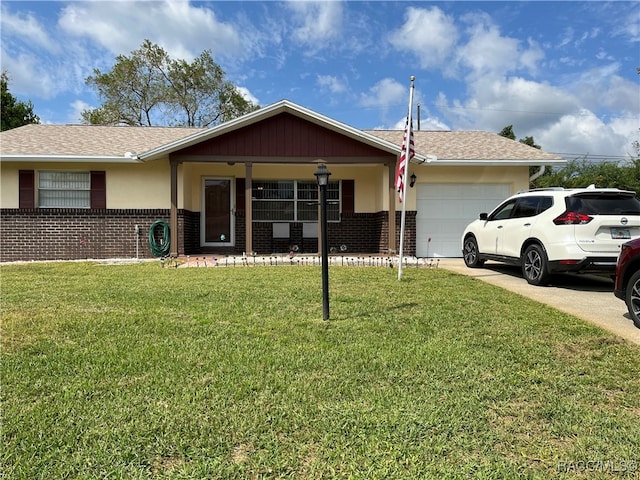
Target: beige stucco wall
147	185
139	186
9	185
368	180
142	185
516	176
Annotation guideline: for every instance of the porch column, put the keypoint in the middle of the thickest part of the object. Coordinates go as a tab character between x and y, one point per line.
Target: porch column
173	218
392	208
248	208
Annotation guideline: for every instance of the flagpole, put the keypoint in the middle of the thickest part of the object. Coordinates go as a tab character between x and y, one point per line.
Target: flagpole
404	177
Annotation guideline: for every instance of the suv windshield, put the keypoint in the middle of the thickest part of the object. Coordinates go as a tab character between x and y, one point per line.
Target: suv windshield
598	204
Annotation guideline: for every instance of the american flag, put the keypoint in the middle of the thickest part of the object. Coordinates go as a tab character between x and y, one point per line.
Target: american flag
402	162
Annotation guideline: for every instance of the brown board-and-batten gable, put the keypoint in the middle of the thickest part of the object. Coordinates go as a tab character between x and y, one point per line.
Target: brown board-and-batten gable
283	138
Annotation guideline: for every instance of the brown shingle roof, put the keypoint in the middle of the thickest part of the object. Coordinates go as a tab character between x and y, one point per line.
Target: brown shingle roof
466	145
87	140
107	141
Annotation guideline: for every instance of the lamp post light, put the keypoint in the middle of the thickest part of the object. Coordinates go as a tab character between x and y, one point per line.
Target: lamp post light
322	175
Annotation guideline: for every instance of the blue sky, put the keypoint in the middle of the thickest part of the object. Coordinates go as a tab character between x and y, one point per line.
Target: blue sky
563	72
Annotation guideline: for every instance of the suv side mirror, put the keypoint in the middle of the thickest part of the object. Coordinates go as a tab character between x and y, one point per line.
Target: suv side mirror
484	216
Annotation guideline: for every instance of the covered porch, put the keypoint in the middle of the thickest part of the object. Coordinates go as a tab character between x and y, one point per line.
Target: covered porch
252	189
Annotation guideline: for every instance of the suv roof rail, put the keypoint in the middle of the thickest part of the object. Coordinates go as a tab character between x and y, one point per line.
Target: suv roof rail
542	189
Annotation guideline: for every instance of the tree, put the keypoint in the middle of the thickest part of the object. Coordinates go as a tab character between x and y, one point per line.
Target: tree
507	132
582	172
150	88
14	113
529	141
131	90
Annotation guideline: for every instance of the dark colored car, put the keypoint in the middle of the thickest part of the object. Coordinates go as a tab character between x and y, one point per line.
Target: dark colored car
627	285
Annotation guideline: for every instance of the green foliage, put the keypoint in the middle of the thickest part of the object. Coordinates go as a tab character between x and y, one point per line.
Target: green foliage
115	371
14	113
582	173
507	132
150	88
530	141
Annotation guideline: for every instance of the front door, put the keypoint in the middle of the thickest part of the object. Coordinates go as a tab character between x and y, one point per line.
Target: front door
217	218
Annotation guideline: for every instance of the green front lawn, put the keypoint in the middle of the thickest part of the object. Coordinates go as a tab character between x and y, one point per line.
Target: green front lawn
134	371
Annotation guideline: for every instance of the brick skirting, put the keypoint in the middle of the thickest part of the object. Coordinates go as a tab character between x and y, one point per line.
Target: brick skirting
74	234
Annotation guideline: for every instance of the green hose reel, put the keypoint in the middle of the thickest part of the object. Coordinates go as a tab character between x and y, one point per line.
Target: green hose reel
162	247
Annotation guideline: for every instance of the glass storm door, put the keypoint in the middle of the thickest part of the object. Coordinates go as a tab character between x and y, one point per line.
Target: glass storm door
217	221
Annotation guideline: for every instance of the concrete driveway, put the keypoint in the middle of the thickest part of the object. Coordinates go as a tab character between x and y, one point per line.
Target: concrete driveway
588	297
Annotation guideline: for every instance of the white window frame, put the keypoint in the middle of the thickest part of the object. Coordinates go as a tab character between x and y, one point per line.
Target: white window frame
295	200
69	196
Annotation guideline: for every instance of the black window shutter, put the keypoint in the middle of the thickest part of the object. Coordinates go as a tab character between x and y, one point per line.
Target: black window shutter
27	189
348	196
98	189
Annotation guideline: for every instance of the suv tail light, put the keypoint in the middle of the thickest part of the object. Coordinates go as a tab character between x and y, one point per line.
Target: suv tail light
572	218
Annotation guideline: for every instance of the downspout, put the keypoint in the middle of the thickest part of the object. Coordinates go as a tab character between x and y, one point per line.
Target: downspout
538	174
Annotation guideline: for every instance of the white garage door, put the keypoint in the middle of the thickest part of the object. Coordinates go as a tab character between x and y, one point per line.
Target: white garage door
444	210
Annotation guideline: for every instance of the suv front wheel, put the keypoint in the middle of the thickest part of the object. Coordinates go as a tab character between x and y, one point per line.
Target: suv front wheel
470	253
534	265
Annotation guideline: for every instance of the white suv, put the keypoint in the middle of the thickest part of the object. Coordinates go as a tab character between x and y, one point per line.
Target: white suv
555	230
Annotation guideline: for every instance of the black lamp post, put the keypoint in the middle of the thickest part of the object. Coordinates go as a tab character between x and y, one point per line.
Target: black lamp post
322	175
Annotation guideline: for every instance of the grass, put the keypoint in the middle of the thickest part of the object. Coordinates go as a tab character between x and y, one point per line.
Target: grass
136	372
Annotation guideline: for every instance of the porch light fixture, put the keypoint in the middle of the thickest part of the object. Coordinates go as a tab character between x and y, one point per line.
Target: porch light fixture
412	179
322	176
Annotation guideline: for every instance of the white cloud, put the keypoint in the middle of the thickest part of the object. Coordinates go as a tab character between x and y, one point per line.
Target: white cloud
628	25
428	123
75	113
331	83
428	33
583	133
603	87
385	93
494	103
247	95
558	118
628	131
316	22
567	38
488	52
432	123
26	27
177	26
28	76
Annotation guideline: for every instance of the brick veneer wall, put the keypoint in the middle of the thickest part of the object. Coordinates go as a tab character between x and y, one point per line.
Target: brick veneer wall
359	232
71	234
189	241
409	234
